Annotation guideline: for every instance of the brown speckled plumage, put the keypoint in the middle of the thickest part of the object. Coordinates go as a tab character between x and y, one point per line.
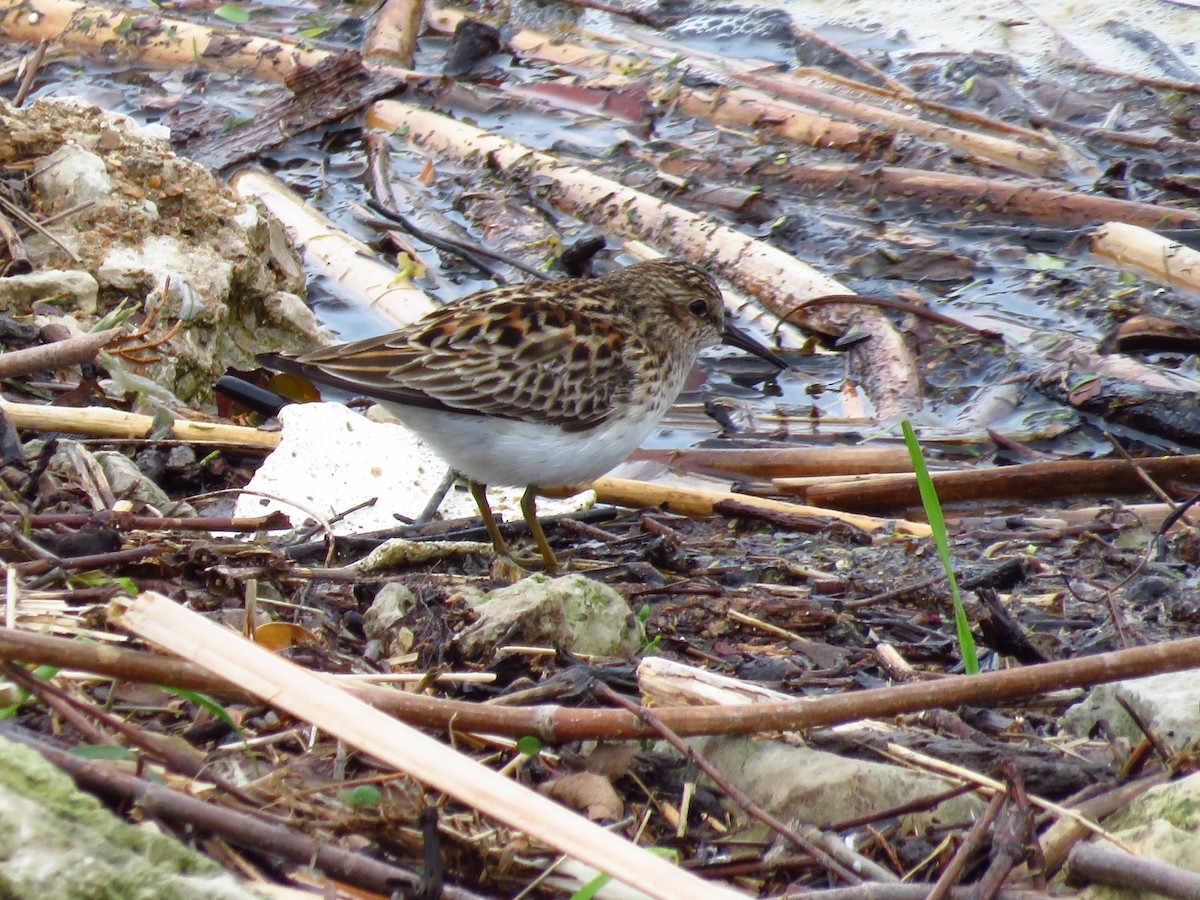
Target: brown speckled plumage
570	353
538	384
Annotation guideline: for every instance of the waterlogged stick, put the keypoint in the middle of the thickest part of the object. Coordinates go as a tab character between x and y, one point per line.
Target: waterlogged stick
301	693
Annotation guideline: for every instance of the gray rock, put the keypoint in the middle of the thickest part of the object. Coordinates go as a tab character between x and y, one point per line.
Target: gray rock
381	621
800	783
74	291
571	613
1168	704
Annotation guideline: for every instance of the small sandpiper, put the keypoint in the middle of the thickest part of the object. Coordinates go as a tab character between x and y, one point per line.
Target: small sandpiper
541	384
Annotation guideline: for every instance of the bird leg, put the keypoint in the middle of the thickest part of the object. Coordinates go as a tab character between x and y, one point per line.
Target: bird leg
529	511
479	492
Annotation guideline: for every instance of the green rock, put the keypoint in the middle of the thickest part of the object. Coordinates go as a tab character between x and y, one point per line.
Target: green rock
57	841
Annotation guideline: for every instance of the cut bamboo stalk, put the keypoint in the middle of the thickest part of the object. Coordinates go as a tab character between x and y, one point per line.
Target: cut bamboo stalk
333	253
305	695
1159	257
781	281
97	421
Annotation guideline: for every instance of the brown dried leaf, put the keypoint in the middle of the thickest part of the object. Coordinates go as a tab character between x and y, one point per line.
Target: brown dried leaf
593	795
281	635
428	173
611	760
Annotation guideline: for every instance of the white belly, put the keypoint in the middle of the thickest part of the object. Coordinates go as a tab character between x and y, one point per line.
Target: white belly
515	453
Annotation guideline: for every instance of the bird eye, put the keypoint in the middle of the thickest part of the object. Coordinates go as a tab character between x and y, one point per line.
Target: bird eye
698	308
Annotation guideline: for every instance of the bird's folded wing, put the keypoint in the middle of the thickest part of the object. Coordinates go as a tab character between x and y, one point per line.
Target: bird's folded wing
515	357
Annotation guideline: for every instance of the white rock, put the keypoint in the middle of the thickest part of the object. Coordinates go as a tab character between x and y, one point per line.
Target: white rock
72	175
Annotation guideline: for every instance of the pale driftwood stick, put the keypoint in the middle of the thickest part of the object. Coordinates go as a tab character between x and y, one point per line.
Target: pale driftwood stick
1000	197
1027	481
1113	868
305	695
1128	245
333	253
1005	152
1039	160
666	683
888	371
1151	515
90	28
57	355
392	37
554	724
695	502
110	423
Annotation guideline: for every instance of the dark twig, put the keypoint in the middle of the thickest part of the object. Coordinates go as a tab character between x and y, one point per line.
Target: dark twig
1011	837
275	521
33	63
97	561
57	354
1145	729
18	260
184	763
914	309
966	850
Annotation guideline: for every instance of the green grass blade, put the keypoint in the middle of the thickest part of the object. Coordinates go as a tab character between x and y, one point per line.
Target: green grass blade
933	511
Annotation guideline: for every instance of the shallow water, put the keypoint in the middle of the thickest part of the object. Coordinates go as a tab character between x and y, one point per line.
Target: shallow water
874	247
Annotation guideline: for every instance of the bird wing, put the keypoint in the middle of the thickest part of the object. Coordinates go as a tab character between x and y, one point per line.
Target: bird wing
516	356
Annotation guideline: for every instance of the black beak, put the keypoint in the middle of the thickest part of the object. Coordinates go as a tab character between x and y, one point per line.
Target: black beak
735	337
